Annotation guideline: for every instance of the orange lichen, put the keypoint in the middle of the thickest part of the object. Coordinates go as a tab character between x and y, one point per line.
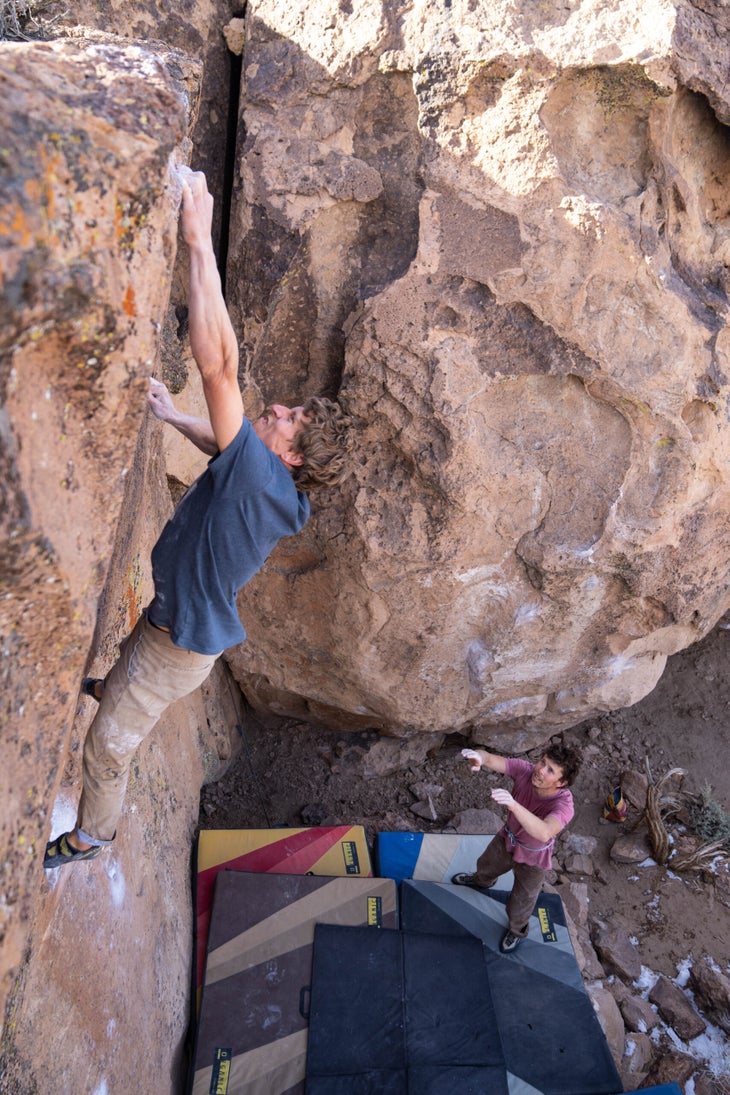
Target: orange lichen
128	303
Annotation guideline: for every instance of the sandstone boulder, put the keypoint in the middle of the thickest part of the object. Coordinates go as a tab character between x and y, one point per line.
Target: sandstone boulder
637	1060
504	239
634	786
88	229
711	988
638	1014
631	847
676	1010
610	1019
616	951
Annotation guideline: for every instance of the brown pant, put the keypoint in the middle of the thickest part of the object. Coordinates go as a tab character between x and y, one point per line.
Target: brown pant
496	860
151	673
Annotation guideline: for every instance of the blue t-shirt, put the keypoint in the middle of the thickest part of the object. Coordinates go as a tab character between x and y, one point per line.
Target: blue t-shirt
219	536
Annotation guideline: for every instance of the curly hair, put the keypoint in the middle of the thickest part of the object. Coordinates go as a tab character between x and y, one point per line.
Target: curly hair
567	758
324	442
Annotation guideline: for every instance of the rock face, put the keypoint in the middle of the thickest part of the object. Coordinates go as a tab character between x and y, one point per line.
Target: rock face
502	232
88	233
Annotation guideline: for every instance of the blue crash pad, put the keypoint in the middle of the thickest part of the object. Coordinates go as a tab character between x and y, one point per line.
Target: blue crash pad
430	857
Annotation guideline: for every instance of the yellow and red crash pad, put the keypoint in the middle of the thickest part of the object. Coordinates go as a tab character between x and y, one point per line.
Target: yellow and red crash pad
337	851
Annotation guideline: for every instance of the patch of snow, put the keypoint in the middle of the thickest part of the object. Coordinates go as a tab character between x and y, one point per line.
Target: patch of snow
633	878
648	862
646	980
713	1048
683	969
101	1088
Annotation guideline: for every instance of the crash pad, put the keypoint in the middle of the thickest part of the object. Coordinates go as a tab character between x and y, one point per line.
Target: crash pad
399	1012
252	1030
543	1020
430	857
459	910
323	850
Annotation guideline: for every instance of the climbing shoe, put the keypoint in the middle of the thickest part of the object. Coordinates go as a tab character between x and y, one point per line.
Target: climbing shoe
89	687
463	879
509	942
59	852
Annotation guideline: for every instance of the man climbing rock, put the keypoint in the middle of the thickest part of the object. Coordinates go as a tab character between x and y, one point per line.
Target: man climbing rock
540	806
253	492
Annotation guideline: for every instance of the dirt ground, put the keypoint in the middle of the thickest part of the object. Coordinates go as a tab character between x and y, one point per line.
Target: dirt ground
294	774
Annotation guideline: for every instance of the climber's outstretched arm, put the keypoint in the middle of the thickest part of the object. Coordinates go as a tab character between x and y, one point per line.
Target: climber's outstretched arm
212	338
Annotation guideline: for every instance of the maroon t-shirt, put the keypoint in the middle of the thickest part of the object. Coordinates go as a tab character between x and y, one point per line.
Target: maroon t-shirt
524	847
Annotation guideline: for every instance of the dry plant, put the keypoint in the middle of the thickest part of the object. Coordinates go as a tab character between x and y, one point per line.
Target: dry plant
661	802
708	820
18	20
700	859
13	14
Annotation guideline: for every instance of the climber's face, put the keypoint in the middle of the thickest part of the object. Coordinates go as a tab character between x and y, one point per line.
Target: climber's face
278	427
547	777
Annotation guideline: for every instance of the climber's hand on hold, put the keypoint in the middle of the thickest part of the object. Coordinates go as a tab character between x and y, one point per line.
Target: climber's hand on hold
159	401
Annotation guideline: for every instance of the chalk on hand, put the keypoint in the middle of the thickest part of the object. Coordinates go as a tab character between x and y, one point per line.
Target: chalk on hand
180	174
470	753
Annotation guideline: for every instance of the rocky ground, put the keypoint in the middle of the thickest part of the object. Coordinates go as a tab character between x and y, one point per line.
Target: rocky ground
653	942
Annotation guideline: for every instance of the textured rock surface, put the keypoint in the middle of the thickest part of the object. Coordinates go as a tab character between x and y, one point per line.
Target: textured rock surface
503	231
88	231
676	1010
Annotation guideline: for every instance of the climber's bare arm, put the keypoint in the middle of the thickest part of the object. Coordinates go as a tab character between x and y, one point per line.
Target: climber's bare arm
197	430
212	337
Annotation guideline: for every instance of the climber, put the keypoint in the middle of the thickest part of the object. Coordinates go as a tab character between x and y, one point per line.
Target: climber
253	492
540	806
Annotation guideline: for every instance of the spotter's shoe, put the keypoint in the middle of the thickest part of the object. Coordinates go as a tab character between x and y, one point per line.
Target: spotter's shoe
510	942
463	879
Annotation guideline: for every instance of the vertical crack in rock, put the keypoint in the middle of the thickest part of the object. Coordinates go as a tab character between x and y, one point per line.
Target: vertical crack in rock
231	139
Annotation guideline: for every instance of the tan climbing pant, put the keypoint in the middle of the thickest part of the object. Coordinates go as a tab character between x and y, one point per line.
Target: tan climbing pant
496	860
151	673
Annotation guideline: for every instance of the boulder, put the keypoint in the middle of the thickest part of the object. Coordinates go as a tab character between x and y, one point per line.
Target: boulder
579	844
637	1060
576	900
616	951
711	988
441	214
634	786
579	864
638	1014
609	1017
670	1066
88	229
676	1010
631	847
